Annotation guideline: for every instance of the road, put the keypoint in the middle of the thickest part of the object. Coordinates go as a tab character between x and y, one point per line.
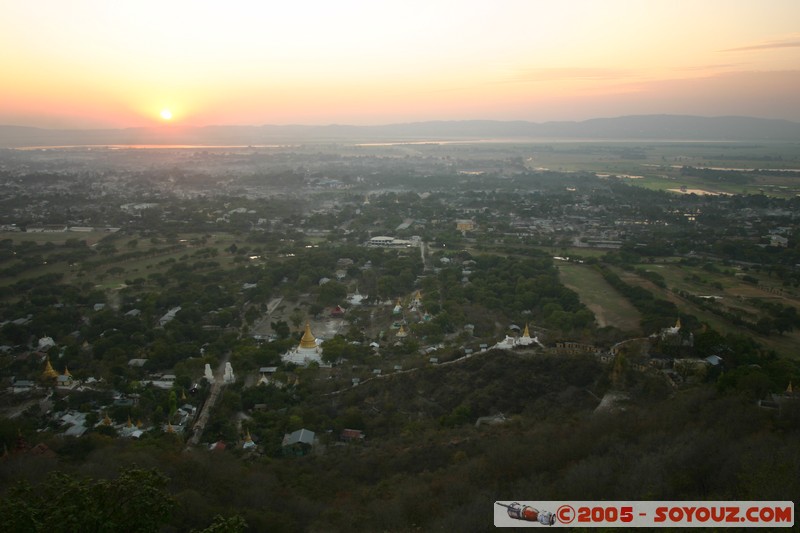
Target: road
205	411
423	251
262	326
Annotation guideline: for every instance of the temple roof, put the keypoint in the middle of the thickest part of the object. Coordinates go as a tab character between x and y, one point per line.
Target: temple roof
308	340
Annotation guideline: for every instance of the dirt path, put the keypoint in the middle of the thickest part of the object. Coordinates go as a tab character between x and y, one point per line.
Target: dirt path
205	411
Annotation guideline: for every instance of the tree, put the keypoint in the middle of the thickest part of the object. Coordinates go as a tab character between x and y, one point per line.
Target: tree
136	501
296	318
315	309
232	524
331	293
281	329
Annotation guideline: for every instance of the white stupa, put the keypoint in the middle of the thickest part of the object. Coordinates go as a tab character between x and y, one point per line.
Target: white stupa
208	374
527	340
509	343
307	351
45	343
356	299
228	377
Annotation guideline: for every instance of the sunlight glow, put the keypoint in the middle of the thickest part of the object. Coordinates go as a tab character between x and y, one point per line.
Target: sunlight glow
352	61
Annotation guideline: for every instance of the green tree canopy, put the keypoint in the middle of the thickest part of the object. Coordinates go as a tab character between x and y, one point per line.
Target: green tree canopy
134	502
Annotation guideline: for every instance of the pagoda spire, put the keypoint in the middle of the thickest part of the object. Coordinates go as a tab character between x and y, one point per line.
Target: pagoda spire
49	371
248	442
308	341
525	332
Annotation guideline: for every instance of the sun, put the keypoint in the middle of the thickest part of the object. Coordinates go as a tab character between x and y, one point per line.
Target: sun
166	114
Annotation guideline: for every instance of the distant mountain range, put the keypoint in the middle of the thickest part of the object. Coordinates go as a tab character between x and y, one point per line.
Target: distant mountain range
629	128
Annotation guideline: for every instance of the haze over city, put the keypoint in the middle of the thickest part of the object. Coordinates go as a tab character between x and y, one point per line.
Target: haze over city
94	64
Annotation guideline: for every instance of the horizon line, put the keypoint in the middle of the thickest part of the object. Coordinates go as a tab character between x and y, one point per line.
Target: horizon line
175	126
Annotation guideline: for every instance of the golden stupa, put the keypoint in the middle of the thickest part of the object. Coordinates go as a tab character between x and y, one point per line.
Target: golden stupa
49	371
308	341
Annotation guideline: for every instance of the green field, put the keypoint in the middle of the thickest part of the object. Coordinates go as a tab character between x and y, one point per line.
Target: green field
734	296
609	307
733	293
111	271
657	165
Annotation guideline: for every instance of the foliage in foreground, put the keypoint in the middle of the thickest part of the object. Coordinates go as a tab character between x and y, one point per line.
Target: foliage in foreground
134	502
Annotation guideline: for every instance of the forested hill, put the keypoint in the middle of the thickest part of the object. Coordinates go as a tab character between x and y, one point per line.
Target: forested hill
426	466
640	127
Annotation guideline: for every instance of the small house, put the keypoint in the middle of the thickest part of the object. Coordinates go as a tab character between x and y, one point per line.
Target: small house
298	443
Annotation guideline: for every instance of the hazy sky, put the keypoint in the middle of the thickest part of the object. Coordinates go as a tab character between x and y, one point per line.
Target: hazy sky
98	63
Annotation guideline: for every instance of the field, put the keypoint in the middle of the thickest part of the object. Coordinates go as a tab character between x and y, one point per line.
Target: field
732	294
723	288
112	269
657	165
608	306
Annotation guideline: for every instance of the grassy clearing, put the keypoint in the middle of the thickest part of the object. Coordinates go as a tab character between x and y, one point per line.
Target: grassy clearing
684	305
609	307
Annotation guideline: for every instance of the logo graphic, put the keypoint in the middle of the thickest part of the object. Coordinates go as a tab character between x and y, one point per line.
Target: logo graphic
528	513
